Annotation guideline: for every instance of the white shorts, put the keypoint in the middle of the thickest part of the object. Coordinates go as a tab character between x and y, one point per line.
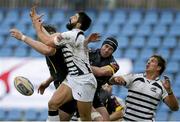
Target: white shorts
83	87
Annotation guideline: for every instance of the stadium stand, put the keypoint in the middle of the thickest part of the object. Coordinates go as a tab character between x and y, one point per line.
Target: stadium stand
140	33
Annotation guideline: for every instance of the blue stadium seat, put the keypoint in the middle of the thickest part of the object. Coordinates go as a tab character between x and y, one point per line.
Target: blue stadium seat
131	53
144	30
160	30
113	29
104	17
151	17
25	18
31	32
172	67
139	66
95	45
43	115
6	28
174	30
92	14
21	52
166	17
177	18
1	15
12	42
138	42
175	116
30	115
176	90
169	42
57	17
146	53
117	54
123	41
128	30
161	115
2	42
62	28
153	42
2	114
6	52
14	114
176	54
135	17
98	27
177	80
119	17
163	52
12	16
21	27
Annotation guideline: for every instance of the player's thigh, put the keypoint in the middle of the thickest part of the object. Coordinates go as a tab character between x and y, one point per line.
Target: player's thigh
104	113
62	95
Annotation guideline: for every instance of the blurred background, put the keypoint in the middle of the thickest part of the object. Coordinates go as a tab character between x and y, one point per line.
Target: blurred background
142	28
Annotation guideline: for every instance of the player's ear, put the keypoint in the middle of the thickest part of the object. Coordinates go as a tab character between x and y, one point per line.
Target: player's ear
78	25
159	68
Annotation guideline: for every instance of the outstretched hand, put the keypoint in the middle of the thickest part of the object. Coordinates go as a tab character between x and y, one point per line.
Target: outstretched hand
36	19
167	84
16	33
94	37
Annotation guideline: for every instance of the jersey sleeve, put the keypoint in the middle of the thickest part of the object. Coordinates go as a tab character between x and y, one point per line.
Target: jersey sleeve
129	79
114	65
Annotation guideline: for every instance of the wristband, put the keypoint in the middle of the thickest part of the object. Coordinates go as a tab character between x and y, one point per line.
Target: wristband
170	93
23	38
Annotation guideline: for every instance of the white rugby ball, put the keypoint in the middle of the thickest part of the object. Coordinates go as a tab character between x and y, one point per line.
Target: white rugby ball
23	85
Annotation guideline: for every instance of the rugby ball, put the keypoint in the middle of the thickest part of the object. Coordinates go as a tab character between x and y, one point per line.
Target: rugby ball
23	85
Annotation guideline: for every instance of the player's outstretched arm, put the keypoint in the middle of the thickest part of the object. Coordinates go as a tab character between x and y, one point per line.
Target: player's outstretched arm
170	100
43	36
94	37
38	46
44	85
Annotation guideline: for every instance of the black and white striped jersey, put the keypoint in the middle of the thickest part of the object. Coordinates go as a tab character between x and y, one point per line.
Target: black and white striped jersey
74	52
143	97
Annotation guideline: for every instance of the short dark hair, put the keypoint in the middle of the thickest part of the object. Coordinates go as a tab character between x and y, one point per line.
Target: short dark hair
50	29
161	62
85	20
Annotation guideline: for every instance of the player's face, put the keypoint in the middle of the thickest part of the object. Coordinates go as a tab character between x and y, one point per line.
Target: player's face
152	65
72	22
106	50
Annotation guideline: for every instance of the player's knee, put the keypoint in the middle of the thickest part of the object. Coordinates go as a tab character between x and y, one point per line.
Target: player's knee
53	105
96	116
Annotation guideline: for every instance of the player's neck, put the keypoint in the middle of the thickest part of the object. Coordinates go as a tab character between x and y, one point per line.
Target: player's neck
151	75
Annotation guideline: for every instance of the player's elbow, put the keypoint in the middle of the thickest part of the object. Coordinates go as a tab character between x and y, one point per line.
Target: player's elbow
49	51
175	108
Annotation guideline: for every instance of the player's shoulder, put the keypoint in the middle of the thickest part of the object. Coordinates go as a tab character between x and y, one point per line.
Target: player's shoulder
135	75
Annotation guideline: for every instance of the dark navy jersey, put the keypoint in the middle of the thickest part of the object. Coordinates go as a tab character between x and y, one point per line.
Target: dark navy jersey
96	60
57	66
109	101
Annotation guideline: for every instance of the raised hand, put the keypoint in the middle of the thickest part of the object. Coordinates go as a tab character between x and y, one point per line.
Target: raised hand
36	19
16	34
167	84
94	37
42	87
